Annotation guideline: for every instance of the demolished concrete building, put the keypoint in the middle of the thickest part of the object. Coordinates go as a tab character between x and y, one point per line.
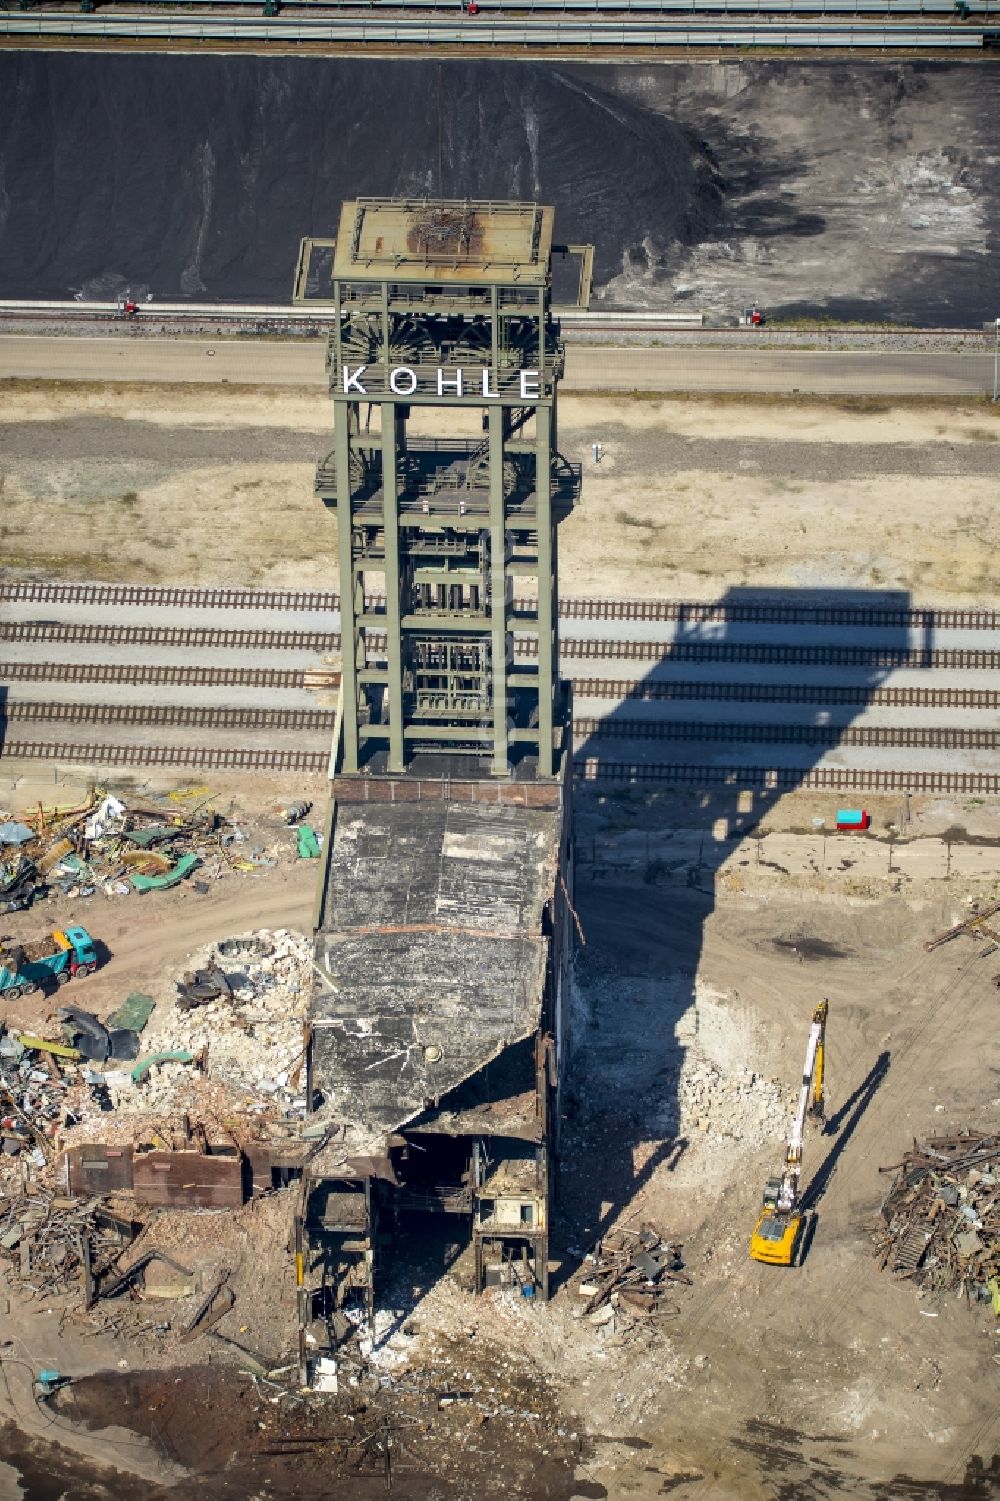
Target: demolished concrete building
443	924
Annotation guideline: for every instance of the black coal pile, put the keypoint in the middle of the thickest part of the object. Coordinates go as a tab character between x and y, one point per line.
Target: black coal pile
197	176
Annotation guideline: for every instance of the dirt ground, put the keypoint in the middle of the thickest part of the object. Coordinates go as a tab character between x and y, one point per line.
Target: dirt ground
690	1013
691	1005
690	498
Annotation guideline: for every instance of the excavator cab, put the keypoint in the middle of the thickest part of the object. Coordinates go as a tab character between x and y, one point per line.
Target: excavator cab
776	1237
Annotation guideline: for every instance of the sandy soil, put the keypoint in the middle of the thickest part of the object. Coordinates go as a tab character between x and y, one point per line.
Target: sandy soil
691	498
839	1378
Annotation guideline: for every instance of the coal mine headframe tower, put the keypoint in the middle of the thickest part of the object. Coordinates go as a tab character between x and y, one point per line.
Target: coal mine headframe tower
445	306
443	922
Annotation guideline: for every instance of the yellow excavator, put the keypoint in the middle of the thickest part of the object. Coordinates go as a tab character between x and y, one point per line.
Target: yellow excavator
778	1235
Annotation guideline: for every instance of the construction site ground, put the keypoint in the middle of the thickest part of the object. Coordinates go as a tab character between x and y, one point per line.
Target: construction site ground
692	997
691	1003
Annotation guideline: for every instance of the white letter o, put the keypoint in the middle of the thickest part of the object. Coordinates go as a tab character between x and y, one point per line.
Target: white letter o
394	379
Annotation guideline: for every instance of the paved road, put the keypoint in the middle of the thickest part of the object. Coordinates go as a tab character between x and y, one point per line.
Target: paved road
588	368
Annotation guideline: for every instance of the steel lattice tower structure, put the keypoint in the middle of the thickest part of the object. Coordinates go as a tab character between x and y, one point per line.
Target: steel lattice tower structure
447	544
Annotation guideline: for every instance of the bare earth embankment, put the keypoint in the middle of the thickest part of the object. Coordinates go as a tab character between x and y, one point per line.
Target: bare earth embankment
214	486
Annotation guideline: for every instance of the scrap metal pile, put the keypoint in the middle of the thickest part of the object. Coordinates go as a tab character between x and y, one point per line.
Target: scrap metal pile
104	845
52	1243
941	1217
47	1084
976	927
634	1271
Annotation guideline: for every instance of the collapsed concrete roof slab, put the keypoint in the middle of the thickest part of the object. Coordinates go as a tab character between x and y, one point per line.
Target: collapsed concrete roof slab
431	955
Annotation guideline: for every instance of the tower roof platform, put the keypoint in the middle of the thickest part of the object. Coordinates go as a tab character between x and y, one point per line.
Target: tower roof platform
444	240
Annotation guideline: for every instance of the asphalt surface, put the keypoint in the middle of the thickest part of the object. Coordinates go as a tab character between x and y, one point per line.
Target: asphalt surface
292	363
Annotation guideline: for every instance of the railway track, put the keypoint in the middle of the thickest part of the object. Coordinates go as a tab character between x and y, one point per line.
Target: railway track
623	690
321	721
687	611
835	696
213	638
786	779
204	757
826	736
48	721
587	769
193	716
763	654
138	674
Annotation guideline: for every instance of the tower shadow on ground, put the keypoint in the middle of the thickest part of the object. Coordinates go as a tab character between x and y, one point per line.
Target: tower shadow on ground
812	665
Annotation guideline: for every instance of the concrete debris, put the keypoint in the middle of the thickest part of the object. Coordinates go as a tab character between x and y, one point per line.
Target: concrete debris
725	1104
941	1217
248	1035
631	1271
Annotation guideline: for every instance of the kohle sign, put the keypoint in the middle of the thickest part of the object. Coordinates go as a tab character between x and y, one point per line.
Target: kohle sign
404	381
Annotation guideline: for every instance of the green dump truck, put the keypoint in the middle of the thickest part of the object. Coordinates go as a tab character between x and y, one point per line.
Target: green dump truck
63	956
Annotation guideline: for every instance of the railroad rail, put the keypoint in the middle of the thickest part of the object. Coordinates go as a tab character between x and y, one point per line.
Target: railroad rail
690	612
821	735
586	769
883	659
497	35
611	727
876	658
836	695
153	675
786	779
186	716
204	757
212	638
618	689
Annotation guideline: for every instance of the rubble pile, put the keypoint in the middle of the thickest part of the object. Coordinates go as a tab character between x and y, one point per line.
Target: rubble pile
50	1243
941	1218
734	1104
105	846
633	1271
32	1102
249	1037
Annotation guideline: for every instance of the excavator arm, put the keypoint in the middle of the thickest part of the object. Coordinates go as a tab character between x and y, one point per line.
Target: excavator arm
777	1231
